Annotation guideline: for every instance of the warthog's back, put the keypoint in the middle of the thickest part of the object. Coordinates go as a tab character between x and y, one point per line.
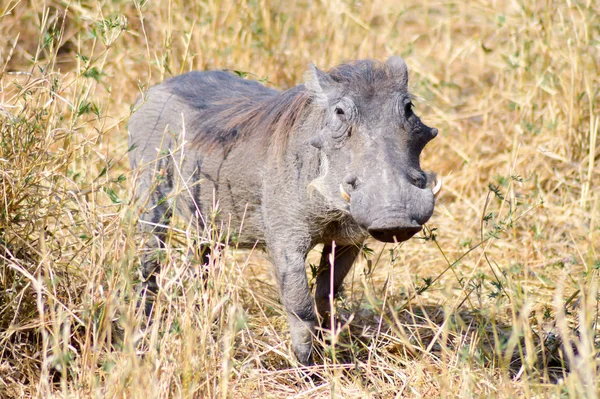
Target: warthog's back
184	142
194	98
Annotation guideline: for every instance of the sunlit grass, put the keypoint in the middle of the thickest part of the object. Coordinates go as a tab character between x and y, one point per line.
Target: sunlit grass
497	298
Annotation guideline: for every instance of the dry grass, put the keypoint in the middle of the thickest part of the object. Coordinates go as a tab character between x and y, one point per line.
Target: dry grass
499	299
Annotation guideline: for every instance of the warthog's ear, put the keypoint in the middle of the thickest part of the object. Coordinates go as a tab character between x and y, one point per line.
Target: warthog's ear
398	69
320	84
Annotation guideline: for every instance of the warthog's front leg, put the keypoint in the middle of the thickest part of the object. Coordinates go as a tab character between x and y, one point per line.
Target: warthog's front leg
297	299
342	263
153	223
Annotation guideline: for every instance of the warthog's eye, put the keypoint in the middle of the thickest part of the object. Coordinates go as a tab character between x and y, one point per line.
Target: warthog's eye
340	113
341	120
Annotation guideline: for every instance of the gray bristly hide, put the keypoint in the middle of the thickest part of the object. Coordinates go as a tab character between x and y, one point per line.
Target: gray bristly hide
333	160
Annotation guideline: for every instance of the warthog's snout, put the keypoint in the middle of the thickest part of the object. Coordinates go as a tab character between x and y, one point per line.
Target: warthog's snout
391	207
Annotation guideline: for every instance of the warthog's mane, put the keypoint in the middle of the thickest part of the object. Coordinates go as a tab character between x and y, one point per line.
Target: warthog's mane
229	109
364	77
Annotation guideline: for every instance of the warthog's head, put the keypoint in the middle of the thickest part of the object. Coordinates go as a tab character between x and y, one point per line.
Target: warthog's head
369	144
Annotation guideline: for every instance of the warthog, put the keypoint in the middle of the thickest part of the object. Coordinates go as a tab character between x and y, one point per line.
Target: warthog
333	161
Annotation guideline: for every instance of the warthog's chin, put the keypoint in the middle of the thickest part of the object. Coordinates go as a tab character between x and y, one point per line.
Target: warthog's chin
394	234
386	230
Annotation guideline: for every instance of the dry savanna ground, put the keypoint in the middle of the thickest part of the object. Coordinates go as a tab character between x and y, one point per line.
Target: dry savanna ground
497	298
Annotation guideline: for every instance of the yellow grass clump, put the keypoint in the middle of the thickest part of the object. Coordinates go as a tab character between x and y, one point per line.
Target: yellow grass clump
497	298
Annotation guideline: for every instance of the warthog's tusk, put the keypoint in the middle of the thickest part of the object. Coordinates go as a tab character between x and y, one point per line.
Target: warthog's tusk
345	195
438	187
